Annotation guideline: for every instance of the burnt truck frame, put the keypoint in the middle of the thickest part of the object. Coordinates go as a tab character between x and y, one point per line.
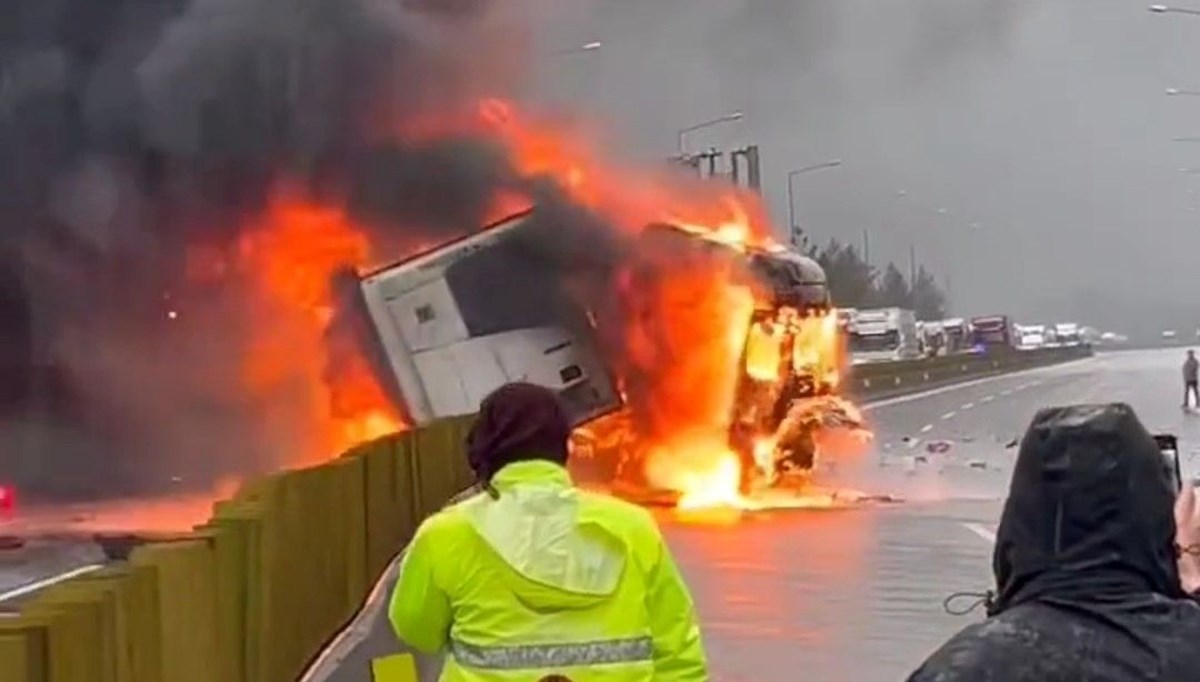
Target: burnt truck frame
456	322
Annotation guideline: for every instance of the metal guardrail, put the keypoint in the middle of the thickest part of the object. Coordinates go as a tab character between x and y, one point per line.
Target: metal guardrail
882	380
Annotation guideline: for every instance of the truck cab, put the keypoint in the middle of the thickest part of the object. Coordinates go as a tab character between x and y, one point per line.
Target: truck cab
1031	336
1068	334
957	334
992	333
884	335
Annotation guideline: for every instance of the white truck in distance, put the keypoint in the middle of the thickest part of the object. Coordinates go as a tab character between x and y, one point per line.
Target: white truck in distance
957	334
1068	334
1031	336
884	335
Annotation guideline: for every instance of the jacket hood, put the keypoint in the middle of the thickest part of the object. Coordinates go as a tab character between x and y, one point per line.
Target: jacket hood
1089	517
559	560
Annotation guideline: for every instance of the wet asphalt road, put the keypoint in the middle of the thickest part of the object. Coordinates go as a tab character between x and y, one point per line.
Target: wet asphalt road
851	594
856	595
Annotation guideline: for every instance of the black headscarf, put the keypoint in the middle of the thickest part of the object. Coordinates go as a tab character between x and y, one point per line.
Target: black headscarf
517	422
1089	518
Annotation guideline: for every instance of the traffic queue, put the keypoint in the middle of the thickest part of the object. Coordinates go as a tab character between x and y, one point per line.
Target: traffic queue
896	335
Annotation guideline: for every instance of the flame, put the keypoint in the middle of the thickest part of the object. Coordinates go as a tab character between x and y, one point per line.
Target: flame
697	337
296	356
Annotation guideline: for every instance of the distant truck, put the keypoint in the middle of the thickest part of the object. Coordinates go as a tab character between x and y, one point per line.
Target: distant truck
1031	336
992	333
957	333
1068	334
933	338
884	335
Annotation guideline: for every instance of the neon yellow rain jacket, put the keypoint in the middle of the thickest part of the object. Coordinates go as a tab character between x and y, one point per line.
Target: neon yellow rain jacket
547	581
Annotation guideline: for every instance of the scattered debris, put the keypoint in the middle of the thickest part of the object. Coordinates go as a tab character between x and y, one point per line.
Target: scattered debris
938	447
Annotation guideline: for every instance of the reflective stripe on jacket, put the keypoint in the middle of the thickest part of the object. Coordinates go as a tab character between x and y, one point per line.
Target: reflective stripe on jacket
547	580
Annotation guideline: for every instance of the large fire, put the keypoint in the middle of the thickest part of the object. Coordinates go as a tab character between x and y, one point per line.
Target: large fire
691	336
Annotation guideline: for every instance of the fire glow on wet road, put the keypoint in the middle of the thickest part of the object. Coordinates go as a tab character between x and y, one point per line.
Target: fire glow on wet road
856	593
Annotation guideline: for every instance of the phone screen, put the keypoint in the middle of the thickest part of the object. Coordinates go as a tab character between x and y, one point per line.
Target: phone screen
1168	445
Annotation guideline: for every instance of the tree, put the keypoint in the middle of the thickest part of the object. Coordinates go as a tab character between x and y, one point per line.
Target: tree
928	300
851	279
893	290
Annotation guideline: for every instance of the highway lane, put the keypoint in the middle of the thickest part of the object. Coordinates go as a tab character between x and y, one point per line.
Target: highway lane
42	562
60	540
857	594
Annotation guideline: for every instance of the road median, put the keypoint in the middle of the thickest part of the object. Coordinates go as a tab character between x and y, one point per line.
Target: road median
887	380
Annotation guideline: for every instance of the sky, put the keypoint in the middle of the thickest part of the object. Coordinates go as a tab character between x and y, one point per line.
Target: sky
1021	148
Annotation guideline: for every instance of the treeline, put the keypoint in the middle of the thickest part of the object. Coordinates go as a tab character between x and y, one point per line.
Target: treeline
854	283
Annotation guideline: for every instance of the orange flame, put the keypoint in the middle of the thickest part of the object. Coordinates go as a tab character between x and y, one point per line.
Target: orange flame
296	357
689	336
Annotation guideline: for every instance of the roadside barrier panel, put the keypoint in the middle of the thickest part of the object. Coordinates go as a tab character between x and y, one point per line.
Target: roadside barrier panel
187	608
397	668
23	650
254	593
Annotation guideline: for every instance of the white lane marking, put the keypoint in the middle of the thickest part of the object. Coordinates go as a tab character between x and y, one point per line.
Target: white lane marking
900	399
982	531
987	399
48	582
927	428
967	406
1005	393
948	415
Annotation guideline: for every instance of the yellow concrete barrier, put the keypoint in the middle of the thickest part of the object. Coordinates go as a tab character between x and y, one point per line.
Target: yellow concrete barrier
398	668
253	594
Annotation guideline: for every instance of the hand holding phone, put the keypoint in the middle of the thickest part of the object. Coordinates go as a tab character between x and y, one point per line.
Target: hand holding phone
1168	445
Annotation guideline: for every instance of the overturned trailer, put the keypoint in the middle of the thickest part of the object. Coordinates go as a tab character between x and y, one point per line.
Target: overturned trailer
456	322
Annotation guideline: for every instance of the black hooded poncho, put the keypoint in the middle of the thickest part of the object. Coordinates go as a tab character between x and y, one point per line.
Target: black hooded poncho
1086	584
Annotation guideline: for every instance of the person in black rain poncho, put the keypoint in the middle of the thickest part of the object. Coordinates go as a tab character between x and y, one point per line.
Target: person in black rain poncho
1087	583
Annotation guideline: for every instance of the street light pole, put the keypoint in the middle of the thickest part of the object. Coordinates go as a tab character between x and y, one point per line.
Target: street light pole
727	118
793	228
1174	92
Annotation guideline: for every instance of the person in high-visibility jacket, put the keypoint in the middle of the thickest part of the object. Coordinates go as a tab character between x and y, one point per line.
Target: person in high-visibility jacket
535	580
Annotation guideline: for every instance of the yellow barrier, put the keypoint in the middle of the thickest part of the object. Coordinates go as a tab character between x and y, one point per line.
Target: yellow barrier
398	668
252	595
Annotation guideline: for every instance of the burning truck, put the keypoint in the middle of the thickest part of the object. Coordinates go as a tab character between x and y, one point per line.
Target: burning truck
453	323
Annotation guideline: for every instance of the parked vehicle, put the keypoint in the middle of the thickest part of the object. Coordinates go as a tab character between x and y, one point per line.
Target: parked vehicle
1031	336
992	333
957	333
884	335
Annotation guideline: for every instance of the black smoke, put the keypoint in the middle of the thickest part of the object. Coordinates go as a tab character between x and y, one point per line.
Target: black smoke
132	128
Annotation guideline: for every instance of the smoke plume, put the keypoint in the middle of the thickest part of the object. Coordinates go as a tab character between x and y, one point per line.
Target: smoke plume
131	132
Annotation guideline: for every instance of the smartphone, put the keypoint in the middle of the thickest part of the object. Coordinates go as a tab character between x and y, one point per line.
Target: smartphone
1168	445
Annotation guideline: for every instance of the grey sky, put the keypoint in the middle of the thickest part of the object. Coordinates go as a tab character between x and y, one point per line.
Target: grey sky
1042	122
